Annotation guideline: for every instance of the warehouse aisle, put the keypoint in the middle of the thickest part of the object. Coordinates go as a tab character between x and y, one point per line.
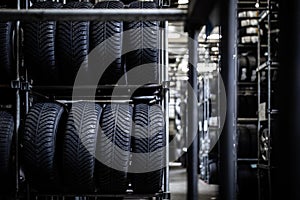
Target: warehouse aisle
178	186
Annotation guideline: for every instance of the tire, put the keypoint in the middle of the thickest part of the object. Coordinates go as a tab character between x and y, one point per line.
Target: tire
8	4
213	172
264	143
80	146
39	48
40	139
109	35
6	137
148	138
247	182
247	141
72	44
6	52
143	38
113	150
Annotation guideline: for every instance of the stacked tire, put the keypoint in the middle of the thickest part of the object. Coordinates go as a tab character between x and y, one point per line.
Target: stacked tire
86	147
106	42
141	44
92	148
72	44
247	170
148	144
39	47
7	64
6	152
55	53
40	145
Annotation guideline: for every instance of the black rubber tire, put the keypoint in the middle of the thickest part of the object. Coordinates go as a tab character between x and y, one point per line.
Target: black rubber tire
6	52
39	48
72	44
148	138
109	35
6	137
213	171
113	149
8	4
247	141
143	38
79	147
40	138
247	182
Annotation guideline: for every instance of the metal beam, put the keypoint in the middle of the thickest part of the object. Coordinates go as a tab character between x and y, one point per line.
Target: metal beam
93	14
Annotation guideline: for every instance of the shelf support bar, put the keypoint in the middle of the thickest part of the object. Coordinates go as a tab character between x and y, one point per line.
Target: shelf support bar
192	165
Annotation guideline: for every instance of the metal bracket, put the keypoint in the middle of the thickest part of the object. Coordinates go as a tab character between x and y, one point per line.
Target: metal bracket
15	84
25	86
167	195
166	85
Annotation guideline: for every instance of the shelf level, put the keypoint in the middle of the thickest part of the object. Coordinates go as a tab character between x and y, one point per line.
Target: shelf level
247	159
241	119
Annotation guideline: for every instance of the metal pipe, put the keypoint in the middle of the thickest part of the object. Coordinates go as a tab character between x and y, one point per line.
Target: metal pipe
258	116
269	102
192	165
18	104
228	157
94	14
166	106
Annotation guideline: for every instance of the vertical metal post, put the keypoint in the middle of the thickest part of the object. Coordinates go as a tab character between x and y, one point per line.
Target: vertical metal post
26	74
166	107
18	107
258	116
269	101
289	106
228	157
192	165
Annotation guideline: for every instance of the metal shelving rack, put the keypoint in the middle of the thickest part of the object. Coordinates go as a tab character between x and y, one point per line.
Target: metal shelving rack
209	100
195	17
111	14
266	110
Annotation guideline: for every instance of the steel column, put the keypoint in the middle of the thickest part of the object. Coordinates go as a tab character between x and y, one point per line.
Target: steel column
192	165
18	104
228	158
166	107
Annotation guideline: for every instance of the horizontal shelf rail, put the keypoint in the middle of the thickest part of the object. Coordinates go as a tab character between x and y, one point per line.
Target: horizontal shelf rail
131	196
266	64
93	14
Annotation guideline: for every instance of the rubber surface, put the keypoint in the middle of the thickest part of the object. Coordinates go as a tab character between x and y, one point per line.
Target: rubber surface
6	53
142	60
80	146
72	45
39	48
147	145
113	148
39	151
106	39
6	137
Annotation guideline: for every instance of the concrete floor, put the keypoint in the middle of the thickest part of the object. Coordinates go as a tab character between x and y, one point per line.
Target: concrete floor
178	186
